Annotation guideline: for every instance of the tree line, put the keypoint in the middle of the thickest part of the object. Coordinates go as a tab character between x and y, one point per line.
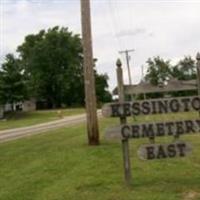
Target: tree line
160	71
49	68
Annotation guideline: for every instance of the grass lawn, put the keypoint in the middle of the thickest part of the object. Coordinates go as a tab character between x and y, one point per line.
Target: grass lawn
20	119
61	166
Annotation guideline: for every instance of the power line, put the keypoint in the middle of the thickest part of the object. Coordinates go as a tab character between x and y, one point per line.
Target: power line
110	24
113	19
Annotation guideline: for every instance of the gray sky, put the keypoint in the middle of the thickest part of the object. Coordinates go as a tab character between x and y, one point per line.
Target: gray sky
168	28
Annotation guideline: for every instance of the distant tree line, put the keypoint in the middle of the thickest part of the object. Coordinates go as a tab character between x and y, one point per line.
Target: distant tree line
49	68
160	71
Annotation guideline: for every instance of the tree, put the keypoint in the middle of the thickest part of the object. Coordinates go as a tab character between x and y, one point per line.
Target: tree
103	95
12	83
158	71
161	71
185	69
53	65
52	62
1	89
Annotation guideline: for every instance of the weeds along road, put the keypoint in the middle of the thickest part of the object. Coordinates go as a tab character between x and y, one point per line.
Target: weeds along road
13	134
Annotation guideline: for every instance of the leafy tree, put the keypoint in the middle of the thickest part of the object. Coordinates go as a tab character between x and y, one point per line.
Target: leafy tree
185	69
52	61
12	83
158	71
1	89
53	65
161	71
103	95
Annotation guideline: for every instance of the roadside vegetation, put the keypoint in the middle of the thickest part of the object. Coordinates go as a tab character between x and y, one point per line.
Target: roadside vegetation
60	165
22	119
48	69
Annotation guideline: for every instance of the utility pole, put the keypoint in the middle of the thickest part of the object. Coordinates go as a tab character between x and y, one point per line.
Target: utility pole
89	81
126	52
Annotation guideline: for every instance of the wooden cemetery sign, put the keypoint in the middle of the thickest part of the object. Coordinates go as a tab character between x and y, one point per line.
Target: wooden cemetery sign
125	131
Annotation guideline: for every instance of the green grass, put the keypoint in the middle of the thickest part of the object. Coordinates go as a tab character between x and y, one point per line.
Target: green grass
21	119
61	166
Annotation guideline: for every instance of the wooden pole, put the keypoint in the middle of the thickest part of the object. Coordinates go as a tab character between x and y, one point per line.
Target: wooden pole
198	72
125	144
90	92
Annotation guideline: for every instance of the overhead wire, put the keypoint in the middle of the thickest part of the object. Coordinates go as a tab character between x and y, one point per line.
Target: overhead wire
109	23
123	25
114	23
121	21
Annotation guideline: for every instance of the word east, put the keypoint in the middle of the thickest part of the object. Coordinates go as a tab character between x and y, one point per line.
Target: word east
165	151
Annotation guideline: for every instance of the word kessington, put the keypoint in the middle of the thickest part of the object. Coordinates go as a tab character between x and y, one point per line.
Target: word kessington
160	106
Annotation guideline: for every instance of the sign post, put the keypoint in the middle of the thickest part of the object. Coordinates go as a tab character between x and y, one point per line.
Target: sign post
151	130
198	74
125	144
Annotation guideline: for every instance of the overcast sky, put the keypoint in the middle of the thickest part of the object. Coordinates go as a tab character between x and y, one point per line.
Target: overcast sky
170	29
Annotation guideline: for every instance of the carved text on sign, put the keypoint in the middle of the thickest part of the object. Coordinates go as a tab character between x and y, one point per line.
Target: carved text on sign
163	151
156	106
151	130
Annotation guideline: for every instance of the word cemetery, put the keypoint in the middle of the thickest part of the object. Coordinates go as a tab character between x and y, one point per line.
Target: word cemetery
152	130
175	129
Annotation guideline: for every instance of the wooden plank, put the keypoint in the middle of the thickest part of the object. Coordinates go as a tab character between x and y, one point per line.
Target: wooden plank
152	130
173	85
153	106
164	151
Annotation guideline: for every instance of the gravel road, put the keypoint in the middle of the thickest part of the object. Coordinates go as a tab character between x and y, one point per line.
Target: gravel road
13	134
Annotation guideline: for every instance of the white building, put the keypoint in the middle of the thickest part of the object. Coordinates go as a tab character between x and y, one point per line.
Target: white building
1	112
26	106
